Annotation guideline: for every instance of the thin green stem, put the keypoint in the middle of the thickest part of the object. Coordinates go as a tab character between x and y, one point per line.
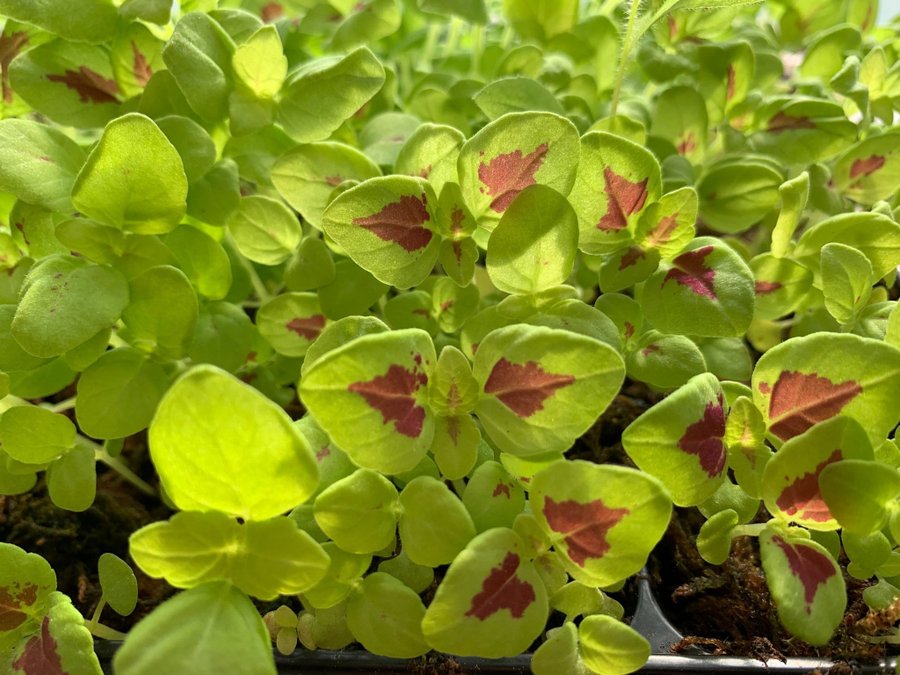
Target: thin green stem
477	48
623	59
62	406
262	293
751	530
95	618
431	40
107	633
456	26
117	465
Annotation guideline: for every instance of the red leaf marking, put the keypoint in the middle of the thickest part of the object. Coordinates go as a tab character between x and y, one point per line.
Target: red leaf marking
764	388
688	144
866	167
691	271
40	657
334	181
142	70
501	489
392	394
401	222
732	82
308	327
11	615
523	387
631	257
324	452
457	252
704	439
649	349
424	173
803	494
663	230
453	429
802	400
271	11
783	122
10	46
629	329
506	175
447	304
502	590
766	287
91	87
585	526
808	565
623	198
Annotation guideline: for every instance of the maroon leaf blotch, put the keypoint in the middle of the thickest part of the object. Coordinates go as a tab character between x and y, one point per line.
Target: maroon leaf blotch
10	46
803	496
783	122
631	257
502	590
271	11
91	87
40	656
732	82
802	400
585	526
623	198
766	287
704	439
11	614
393	395
808	565
506	175
401	222
663	230
523	387
501	489
866	167
307	327
691	271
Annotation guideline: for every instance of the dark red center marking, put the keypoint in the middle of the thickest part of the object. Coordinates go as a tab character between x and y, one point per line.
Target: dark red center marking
501	489
401	222
393	395
623	198
40	655
704	439
690	270
663	230
783	122
323	452
334	181
629	329
523	387
807	564
307	327
506	175
584	526
732	82
631	257
766	287
803	496
502	590
11	614
91	87
141	68
650	349
271	11
10	46
688	144
866	167
802	400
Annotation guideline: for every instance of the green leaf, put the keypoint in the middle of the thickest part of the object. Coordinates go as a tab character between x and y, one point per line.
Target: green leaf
194	145
603	521
680	440
431	152
385	616
873	234
291	322
215	196
264	230
35	435
714	538
26	584
199	444
135	54
611	647
310	267
202	259
491	603
322	94
511	153
118	393
223	337
493	497
154	11
72	479
434	524
736	195
680	117
64	303
559	652
781	286
386	226
707	291
198	55
516	94
806	585
533	246
217	626
142	192
263	559
869	171
359	512
847	278
369	396
664	361
668	224
794	197
859	493
542	387
344	572
259	63
162	312
745	432
353	291
473	11
119	585
808	380
94	21
39	163
802	130
369	21
541	19
616	180
307	175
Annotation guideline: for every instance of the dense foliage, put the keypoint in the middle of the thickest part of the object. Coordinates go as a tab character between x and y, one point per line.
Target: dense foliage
451	230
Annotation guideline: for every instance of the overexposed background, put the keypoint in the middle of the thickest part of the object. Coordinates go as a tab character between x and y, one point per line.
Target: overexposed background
888	9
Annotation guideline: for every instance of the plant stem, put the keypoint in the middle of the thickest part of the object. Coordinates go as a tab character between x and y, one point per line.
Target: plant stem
477	48
262	293
95	618
107	633
623	59
62	406
751	530
431	39
452	43
117	465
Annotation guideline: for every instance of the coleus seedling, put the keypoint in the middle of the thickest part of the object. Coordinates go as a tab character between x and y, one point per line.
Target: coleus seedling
451	245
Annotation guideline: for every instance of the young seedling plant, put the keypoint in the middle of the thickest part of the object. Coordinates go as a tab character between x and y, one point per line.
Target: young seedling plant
357	276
